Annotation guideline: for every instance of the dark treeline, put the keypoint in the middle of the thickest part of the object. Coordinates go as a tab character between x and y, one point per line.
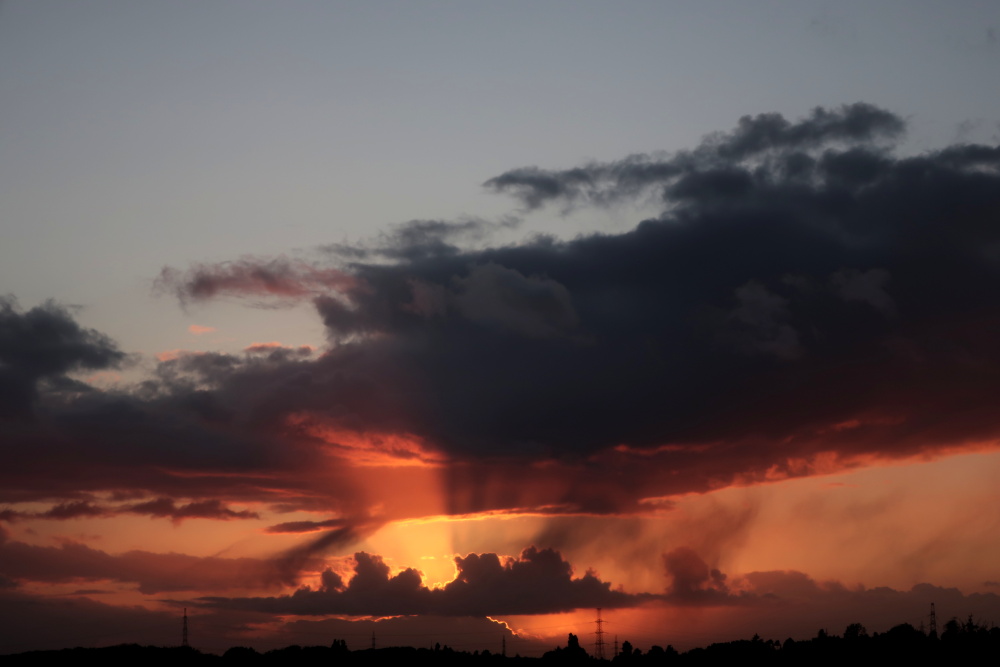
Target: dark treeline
960	642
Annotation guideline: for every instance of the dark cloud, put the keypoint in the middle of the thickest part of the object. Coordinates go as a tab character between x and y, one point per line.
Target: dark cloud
692	581
537	582
174	436
533	306
295	560
158	508
804	292
797	280
74	510
150	572
202	509
713	169
42	345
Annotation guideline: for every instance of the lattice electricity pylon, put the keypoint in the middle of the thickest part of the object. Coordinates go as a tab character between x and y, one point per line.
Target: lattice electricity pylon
599	642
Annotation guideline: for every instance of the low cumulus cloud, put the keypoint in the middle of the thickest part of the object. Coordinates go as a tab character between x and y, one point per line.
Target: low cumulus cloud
539	581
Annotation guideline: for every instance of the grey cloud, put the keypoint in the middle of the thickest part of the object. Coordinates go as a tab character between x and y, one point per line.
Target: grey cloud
43	345
422	238
866	287
858	122
760	325
528	305
714	167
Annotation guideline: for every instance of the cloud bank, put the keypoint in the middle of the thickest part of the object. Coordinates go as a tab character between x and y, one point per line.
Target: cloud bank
806	301
539	581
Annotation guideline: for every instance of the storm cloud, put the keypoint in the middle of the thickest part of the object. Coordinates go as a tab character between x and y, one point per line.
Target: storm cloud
803	291
804	294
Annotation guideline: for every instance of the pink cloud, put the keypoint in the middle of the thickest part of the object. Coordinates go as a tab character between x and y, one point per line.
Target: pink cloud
254	277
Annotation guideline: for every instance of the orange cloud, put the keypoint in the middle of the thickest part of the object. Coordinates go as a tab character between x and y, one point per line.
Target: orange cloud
170	355
198	330
368	448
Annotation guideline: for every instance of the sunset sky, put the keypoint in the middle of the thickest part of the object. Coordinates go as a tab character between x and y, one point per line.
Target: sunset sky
454	322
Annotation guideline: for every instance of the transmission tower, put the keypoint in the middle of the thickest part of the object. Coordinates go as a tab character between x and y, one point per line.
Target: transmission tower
599	642
616	648
373	640
503	645
184	632
933	621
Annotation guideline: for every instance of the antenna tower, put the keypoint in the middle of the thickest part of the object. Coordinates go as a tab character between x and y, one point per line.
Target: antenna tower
616	648
184	632
373	640
503	645
599	642
933	621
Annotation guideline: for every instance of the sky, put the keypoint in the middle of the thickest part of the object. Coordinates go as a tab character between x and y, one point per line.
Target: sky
454	323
